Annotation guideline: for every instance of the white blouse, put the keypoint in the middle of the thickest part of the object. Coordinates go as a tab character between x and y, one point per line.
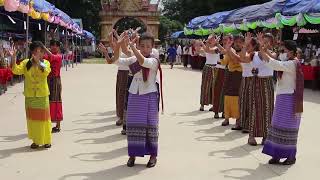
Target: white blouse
247	69
138	86
120	67
287	84
212	59
264	71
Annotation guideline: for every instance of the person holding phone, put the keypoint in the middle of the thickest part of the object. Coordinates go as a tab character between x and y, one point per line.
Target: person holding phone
36	92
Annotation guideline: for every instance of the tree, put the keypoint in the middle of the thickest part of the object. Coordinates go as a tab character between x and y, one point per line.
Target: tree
168	26
87	10
185	10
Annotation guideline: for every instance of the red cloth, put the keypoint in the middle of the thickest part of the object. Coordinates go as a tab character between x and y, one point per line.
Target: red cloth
5	75
56	111
309	72
55	63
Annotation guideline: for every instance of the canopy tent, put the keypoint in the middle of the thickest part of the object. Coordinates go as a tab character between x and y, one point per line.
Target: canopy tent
88	35
41	9
294	7
176	35
255	12
273	14
214	20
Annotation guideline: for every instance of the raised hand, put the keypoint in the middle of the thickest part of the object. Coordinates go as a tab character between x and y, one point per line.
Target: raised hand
213	40
111	38
248	38
260	38
12	51
102	49
228	44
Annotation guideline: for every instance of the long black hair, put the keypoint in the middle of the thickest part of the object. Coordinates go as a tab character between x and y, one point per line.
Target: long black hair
55	42
33	46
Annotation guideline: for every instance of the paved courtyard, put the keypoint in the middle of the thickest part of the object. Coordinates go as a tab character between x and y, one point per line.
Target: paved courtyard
193	146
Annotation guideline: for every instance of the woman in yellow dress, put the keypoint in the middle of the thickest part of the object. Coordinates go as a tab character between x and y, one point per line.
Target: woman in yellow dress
36	92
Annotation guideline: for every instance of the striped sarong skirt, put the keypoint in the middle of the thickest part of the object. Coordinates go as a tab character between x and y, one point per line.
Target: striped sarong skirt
283	133
130	78
261	107
142	124
38	119
121	90
218	94
245	97
55	88
206	85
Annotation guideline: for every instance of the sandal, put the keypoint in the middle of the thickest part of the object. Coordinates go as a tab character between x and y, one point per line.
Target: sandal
274	161
124	132
34	146
152	163
47	146
119	122
289	162
201	109
225	123
131	162
216	116
55	130
252	142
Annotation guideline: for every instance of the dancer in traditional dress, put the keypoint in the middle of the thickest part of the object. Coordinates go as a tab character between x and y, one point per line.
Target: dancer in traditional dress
212	57
143	101
262	103
55	86
122	76
36	92
218	82
283	133
233	78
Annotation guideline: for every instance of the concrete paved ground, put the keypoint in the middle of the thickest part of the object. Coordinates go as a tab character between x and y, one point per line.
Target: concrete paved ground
193	146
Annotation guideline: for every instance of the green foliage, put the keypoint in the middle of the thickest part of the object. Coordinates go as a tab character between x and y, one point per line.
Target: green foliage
168	26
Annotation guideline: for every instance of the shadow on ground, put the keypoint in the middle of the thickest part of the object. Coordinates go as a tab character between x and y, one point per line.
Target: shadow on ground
104	140
115	173
10	152
255	174
101	156
13	138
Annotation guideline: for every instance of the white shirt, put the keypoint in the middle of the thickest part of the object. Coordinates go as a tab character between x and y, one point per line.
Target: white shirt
247	69
185	50
264	70
190	51
179	50
121	67
287	84
219	65
212	59
283	56
138	86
